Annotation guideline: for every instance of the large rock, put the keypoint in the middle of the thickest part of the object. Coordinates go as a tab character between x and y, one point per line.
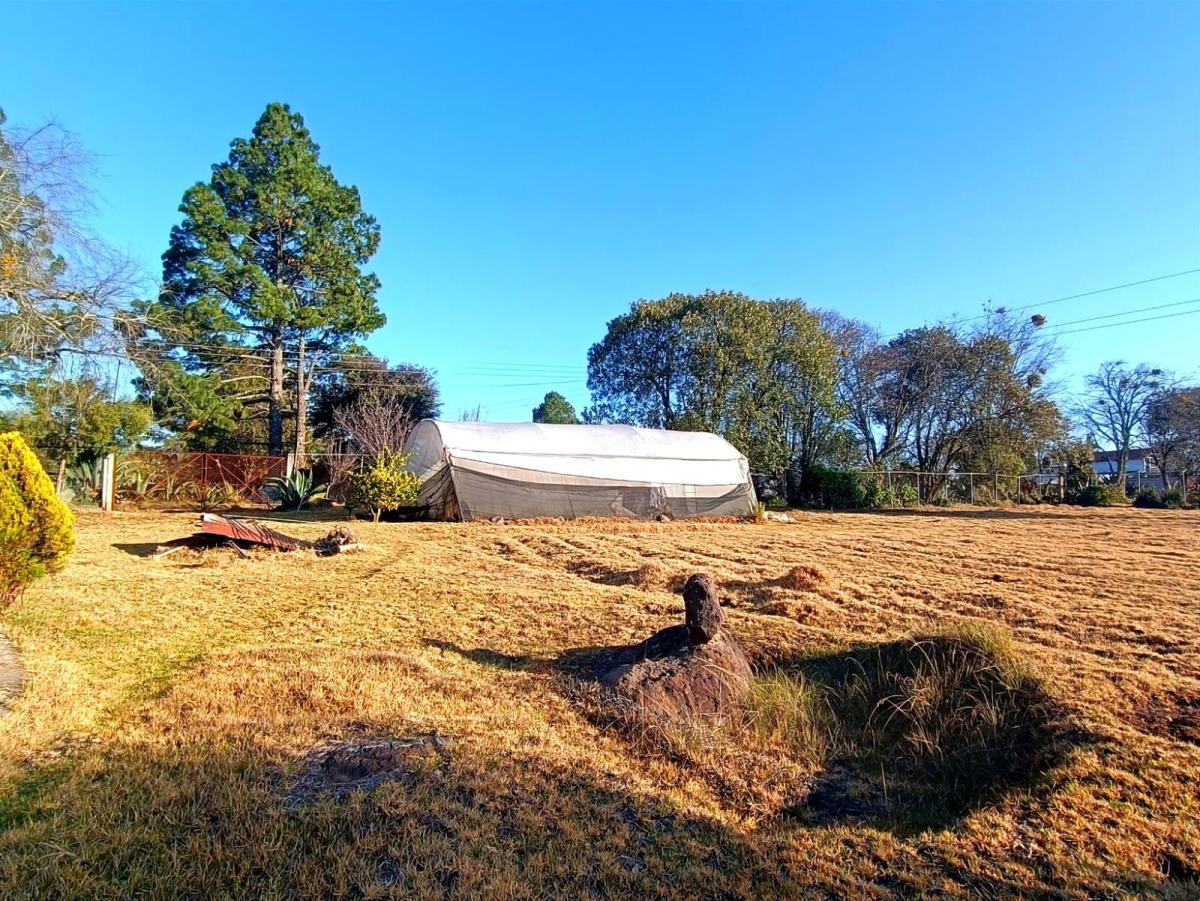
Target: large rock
702	613
689	670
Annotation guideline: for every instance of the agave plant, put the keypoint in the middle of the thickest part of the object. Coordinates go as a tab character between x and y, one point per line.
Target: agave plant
135	483
206	497
83	479
296	492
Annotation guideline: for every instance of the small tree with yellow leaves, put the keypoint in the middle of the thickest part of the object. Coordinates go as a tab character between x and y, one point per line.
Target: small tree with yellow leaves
35	526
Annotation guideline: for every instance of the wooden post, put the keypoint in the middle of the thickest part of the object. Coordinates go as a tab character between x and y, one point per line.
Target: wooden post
971	481
289	466
108	471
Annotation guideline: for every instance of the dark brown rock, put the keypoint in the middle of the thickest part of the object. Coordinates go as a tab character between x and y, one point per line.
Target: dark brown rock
668	677
702	609
689	670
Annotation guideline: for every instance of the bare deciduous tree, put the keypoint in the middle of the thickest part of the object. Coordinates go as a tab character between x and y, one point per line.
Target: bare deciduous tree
374	422
59	283
1114	408
1173	429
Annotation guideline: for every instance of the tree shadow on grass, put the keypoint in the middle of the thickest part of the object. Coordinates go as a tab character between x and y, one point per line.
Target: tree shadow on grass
914	734
581	661
209	818
199	808
924	731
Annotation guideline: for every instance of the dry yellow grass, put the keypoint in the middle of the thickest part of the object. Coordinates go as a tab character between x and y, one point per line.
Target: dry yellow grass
171	701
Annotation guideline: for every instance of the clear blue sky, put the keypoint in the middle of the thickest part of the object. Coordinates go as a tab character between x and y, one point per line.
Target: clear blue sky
537	167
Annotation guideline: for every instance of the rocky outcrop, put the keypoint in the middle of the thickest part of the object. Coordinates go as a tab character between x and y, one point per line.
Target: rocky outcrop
684	671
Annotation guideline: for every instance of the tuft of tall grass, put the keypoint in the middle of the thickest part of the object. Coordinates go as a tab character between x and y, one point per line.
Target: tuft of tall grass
788	711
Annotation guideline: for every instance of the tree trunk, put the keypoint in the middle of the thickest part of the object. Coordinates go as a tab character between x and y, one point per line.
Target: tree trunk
62	475
301	406
275	397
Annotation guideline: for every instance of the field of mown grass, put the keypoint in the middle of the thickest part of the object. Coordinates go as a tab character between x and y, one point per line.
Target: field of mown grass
171	701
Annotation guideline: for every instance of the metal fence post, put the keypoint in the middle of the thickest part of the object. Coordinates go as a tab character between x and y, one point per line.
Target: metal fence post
108	473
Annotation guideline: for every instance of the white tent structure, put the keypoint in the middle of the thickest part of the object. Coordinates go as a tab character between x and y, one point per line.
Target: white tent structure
481	470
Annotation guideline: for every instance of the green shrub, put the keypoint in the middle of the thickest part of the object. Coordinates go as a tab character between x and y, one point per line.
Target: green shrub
832	489
1174	499
294	493
1148	498
387	485
1100	496
35	526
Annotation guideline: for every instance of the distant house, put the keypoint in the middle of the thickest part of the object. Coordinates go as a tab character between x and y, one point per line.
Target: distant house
1108	463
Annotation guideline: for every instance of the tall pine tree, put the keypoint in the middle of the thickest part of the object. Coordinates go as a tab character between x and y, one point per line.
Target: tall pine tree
264	273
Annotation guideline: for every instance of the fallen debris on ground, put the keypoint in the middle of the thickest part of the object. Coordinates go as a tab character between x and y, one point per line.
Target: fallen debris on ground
240	534
336	771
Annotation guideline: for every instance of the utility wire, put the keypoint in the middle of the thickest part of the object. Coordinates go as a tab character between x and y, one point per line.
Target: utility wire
1161	306
1057	300
1093	328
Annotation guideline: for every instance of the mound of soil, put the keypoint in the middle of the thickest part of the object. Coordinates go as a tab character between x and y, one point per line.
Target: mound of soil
803	578
1174	716
654	576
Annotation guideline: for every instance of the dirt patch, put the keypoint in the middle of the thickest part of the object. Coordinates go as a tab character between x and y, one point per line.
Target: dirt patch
12	674
1175	716
338	770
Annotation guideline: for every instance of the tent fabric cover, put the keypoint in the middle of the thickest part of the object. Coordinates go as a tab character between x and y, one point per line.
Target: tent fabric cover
481	470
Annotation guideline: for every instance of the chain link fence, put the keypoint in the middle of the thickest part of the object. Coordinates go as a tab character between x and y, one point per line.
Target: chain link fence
968	487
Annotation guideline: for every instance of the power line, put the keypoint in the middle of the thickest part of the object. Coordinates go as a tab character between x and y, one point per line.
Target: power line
1093	328
1161	306
1057	300
1145	281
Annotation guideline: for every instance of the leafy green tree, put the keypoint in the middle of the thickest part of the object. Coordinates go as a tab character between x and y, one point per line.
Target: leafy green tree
79	414
555	408
636	372
73	419
968	398
761	373
264	274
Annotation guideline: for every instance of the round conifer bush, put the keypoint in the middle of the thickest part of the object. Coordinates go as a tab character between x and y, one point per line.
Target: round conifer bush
36	535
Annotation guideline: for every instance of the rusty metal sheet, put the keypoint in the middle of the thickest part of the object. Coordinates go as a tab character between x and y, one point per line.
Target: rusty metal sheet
250	531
